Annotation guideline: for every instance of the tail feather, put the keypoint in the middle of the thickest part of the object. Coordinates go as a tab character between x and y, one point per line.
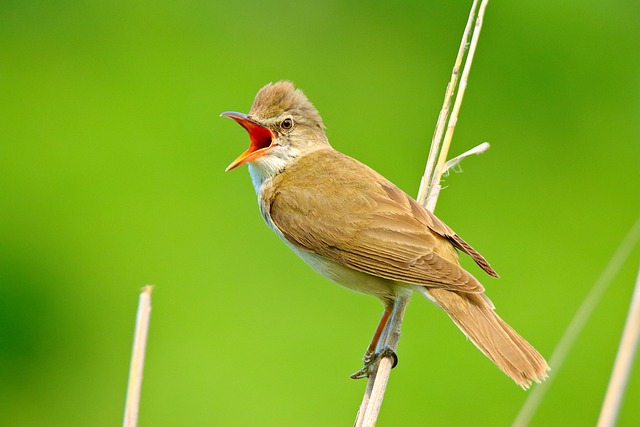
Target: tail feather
474	314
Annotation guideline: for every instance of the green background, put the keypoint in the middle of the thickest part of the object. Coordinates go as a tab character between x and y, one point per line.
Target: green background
111	177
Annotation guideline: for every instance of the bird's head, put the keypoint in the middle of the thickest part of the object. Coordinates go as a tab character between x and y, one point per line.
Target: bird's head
282	124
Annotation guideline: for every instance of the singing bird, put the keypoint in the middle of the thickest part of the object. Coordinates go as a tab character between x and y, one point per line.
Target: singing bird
356	228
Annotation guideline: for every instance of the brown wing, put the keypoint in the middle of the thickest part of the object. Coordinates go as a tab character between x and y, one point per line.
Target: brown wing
436	225
366	223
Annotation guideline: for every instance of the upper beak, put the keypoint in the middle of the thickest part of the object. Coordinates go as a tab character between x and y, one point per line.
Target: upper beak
261	138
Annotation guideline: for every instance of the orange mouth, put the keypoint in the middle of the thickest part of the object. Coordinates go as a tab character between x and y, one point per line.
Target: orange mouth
261	139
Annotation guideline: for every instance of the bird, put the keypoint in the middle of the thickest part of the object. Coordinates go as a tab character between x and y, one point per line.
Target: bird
356	228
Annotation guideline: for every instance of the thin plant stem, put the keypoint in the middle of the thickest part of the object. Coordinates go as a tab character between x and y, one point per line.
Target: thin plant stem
383	373
436	141
479	149
428	196
136	368
624	362
365	401
578	322
434	188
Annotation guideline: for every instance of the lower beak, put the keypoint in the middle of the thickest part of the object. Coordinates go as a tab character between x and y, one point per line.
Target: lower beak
261	138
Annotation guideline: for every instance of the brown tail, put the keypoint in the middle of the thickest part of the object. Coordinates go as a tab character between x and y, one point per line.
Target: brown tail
475	316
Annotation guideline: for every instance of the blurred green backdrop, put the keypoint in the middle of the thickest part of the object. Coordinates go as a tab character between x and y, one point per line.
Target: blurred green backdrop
111	177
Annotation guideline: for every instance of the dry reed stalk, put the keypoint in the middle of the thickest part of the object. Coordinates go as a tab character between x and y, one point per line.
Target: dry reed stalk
136	368
624	362
428	196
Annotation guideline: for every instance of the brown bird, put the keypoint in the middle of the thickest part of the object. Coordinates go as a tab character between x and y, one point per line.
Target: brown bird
353	226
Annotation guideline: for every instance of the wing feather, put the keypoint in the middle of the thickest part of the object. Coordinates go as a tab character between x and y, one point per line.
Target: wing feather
369	224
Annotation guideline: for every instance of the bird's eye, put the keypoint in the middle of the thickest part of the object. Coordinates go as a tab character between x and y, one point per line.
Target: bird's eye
287	123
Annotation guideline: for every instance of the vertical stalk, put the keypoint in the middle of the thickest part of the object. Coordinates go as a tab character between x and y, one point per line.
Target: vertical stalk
624	362
136	368
427	196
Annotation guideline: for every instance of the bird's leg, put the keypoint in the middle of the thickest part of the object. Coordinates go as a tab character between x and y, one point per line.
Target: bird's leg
392	331
371	355
380	333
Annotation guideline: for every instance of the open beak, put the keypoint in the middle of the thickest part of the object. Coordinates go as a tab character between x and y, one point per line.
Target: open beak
261	138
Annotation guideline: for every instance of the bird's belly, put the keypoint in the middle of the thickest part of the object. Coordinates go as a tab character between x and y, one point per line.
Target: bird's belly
349	278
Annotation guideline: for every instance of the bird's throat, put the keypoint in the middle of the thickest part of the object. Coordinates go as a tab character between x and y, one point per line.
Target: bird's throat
266	167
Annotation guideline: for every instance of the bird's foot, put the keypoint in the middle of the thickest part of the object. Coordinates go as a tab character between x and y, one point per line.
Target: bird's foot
371	360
